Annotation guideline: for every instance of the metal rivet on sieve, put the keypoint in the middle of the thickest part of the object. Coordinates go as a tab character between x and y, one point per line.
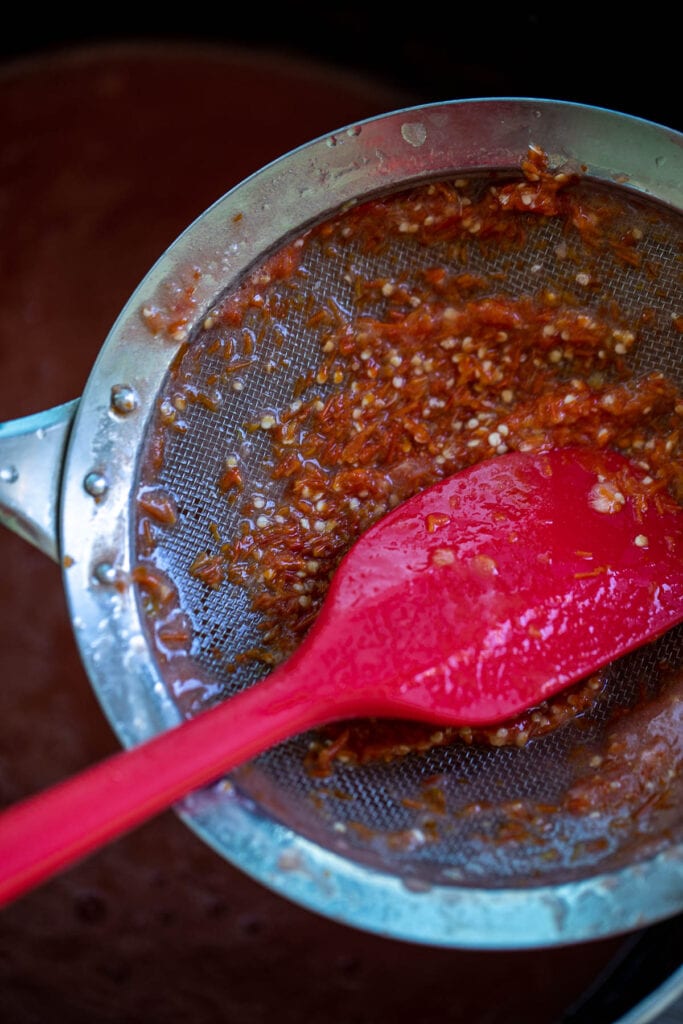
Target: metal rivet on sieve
96	484
105	573
9	474
124	399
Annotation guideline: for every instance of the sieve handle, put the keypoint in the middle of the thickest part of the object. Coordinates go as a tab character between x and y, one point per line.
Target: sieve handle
31	461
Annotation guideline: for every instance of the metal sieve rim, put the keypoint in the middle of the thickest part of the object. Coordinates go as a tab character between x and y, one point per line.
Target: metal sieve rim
100	475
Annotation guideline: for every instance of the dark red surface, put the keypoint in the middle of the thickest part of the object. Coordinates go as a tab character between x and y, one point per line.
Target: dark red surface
105	157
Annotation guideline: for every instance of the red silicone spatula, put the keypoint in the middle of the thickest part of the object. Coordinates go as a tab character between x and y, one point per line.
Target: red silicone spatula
471	602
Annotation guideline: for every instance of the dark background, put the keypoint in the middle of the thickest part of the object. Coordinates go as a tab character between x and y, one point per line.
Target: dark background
604	55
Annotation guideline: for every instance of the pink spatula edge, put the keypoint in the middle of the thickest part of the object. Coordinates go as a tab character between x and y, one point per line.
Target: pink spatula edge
471	602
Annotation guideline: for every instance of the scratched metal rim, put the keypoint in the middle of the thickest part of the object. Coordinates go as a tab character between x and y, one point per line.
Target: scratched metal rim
100	477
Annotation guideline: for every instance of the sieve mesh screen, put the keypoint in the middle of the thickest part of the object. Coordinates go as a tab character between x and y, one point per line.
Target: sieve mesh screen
461	812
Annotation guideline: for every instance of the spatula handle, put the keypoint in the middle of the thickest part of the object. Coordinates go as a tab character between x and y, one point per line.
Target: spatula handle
47	833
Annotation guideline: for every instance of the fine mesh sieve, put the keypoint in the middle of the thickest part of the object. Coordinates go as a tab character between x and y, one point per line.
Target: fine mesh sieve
459	843
377	812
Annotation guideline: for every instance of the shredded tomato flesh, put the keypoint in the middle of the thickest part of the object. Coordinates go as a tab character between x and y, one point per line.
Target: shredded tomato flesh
451	372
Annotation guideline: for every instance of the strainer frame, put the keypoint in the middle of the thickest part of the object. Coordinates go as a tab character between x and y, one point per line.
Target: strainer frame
97	524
